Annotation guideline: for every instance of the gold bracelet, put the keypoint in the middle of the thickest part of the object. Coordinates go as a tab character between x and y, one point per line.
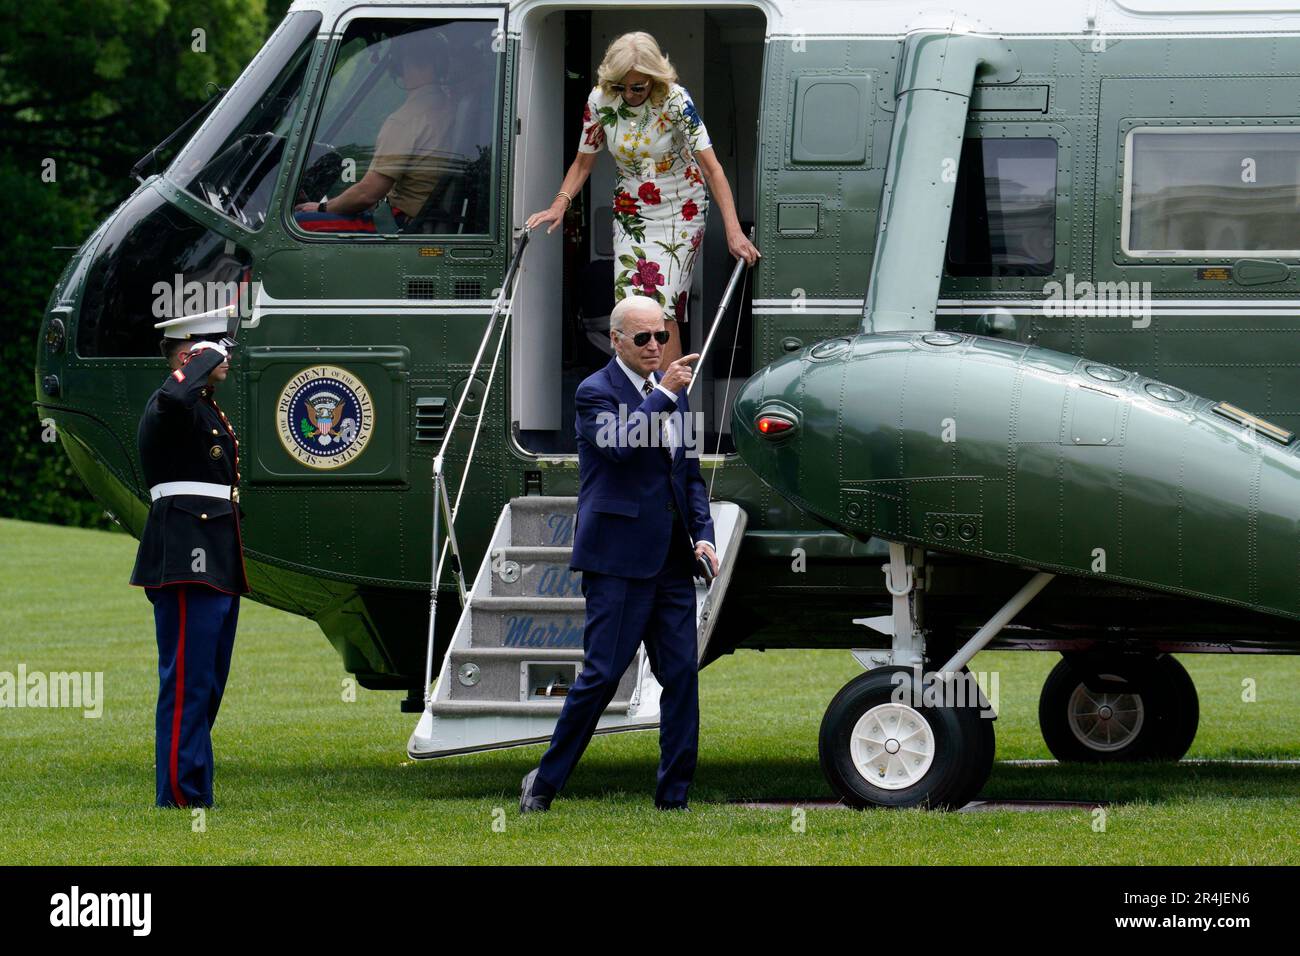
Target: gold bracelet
567	198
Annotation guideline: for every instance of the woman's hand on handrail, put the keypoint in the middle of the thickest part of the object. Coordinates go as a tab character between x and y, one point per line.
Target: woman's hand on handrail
741	248
554	215
577	174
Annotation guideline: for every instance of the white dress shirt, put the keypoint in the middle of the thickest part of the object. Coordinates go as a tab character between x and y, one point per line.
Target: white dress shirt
669	434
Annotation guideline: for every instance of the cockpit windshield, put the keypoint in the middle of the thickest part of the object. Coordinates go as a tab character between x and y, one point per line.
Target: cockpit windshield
231	163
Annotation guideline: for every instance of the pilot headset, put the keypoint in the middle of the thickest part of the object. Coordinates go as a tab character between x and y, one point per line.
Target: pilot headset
430	43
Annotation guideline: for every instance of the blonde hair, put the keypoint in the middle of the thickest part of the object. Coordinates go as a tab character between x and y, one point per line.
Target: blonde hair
636	51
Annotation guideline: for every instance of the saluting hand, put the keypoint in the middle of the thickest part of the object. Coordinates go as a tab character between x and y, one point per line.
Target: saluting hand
203	345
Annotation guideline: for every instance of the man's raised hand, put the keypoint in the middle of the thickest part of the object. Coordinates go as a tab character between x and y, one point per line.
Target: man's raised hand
679	373
204	344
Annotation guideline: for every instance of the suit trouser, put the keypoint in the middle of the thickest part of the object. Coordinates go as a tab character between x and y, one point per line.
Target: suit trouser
196	635
621	613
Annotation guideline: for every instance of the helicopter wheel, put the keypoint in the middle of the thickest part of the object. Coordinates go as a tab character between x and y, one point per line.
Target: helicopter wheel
1118	708
881	746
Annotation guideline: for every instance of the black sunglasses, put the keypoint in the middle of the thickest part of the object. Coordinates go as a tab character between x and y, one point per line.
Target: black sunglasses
642	339
636	88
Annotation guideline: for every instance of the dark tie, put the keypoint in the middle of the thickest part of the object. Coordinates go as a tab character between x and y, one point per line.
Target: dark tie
664	450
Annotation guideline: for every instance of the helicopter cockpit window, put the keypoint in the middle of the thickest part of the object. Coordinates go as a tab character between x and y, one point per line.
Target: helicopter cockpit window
154	263
231	163
1004	211
405	139
1212	192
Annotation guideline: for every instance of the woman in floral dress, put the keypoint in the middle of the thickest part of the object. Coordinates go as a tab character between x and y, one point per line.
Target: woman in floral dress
663	160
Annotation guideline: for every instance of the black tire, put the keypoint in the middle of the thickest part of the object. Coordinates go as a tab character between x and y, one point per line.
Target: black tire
1154	709
962	745
1185	716
988	747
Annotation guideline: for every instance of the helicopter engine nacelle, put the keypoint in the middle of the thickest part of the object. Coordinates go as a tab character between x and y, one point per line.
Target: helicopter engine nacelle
1034	457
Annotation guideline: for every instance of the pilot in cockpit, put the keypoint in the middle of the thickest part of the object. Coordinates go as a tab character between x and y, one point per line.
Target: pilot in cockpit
409	156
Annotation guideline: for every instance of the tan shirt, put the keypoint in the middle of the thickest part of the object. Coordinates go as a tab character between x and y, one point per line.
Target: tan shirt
412	147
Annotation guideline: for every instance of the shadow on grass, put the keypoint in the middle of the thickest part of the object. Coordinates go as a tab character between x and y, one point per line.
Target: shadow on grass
1145	782
496	776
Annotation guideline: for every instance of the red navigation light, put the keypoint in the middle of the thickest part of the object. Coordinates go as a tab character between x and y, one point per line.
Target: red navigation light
773	426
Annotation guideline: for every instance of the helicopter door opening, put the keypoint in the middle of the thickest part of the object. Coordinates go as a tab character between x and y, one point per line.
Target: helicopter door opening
566	289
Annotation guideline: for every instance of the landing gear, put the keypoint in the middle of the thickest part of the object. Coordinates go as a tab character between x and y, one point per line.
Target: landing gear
899	736
885	743
1118	707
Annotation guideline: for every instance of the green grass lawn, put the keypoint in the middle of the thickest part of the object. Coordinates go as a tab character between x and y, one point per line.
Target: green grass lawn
303	777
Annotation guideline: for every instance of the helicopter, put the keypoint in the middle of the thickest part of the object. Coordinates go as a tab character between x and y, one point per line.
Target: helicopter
1016	370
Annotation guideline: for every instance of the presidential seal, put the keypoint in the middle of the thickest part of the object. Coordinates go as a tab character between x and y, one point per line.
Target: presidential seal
324	416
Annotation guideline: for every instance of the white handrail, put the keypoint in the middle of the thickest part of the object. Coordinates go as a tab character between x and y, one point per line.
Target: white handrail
442	507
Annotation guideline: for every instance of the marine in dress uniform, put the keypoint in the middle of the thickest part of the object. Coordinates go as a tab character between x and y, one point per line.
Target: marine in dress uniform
639	509
190	561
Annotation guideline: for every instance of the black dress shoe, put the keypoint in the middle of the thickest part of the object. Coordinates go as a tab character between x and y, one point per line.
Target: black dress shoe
672	806
530	802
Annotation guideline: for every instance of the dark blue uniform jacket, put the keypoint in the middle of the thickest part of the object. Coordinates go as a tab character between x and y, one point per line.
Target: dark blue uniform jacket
185	436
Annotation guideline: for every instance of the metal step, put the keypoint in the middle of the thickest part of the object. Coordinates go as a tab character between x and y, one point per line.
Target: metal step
534	572
474	708
526	622
512	675
534	614
542	520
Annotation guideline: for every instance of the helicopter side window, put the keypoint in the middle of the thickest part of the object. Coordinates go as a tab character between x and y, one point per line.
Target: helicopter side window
154	263
1212	192
405	138
1004	209
232	162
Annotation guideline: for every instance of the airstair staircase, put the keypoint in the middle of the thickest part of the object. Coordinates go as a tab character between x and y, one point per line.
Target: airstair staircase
517	647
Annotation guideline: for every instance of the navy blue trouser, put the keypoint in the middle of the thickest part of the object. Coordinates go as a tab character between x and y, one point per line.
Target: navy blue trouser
196	634
621	613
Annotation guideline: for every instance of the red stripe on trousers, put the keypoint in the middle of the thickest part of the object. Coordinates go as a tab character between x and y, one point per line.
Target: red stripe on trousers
174	761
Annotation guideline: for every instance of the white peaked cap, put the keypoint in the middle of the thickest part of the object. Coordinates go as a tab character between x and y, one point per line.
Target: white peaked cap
202	323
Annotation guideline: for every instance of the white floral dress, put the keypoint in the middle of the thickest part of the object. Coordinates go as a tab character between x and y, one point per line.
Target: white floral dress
660	202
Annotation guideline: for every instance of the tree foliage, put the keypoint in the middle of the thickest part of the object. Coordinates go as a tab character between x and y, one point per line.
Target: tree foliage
86	88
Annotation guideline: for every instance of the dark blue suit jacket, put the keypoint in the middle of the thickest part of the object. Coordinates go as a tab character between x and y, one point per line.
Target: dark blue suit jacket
624	523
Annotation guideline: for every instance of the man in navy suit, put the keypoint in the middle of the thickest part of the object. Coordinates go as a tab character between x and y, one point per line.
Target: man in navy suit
643	520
